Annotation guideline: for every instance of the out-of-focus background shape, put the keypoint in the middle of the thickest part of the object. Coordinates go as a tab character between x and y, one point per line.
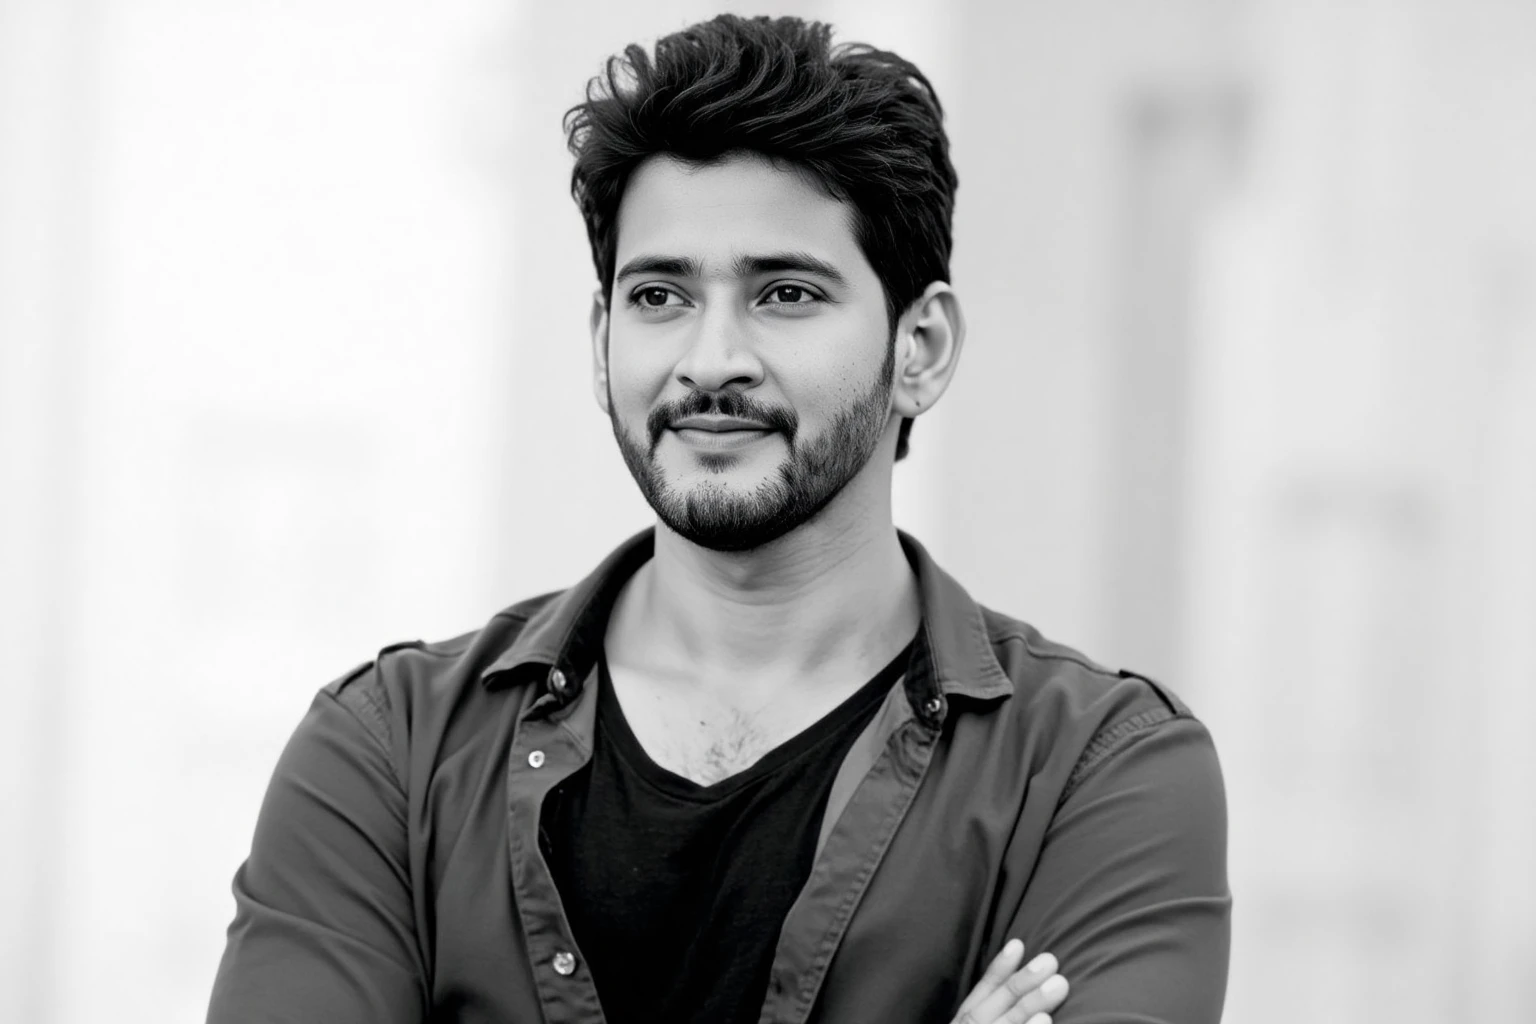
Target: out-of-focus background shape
293	364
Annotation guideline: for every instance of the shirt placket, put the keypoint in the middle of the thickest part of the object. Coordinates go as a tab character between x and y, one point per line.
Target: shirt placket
852	851
550	743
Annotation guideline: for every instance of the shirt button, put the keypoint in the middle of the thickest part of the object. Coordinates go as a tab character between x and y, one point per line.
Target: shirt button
933	705
557	682
564	964
536	759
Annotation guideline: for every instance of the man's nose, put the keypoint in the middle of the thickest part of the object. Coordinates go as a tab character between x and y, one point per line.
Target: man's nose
721	354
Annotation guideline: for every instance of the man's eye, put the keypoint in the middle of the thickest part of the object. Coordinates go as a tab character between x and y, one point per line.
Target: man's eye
790	295
655	297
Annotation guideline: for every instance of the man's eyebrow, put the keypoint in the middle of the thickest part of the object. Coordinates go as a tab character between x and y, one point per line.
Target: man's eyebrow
794	262
742	266
677	266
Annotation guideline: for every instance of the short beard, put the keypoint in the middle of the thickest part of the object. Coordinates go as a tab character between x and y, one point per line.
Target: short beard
812	475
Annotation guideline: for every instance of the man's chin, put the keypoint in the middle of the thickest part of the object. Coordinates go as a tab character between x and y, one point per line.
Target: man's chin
733	537
725	516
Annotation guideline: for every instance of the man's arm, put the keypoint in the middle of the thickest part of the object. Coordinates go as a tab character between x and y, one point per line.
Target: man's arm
1130	891
324	928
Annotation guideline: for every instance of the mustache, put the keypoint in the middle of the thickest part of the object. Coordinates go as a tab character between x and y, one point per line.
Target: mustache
720	403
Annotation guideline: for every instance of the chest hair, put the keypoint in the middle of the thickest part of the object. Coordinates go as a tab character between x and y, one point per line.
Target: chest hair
704	745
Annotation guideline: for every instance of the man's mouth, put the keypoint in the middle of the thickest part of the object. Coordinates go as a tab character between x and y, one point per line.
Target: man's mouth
719	433
718	424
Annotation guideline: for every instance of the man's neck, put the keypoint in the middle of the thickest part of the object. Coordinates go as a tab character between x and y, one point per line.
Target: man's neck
832	597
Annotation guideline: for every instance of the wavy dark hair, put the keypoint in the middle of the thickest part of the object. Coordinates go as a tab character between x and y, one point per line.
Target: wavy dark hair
865	123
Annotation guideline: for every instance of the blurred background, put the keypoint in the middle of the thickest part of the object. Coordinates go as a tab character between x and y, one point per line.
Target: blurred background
1248	404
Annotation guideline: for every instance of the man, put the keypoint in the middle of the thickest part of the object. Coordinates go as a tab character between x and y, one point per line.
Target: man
768	761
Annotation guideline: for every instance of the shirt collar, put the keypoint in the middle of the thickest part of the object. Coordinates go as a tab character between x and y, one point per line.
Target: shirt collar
953	655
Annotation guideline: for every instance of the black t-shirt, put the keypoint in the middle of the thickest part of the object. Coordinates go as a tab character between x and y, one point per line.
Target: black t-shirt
676	892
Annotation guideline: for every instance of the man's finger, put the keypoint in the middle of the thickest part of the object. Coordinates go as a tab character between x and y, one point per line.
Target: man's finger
1036	988
1039	1002
1002	965
1031	976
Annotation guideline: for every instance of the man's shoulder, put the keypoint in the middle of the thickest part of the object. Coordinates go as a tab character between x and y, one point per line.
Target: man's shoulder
1051	676
413	679
1074	711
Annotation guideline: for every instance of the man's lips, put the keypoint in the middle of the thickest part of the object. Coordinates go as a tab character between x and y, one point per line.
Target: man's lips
719	434
718	424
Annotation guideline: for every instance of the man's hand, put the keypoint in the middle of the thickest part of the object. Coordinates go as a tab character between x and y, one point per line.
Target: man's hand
1007	994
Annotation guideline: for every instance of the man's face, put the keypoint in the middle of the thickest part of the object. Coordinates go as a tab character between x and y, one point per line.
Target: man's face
747	363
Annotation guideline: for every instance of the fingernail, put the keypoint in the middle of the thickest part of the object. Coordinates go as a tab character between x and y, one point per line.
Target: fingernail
1042	964
1013	948
1055	987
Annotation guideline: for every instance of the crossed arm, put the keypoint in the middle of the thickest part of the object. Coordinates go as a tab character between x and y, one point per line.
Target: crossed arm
1129	894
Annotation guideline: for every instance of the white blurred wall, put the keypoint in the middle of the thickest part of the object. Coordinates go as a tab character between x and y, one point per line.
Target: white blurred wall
293	364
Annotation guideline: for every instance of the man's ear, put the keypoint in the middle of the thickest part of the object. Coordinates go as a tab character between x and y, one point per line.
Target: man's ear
599	327
929	336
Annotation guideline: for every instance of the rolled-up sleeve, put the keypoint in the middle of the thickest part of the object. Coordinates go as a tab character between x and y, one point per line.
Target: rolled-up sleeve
1130	891
324	928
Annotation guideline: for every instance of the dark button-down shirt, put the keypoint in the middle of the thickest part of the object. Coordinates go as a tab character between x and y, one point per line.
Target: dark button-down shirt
1008	786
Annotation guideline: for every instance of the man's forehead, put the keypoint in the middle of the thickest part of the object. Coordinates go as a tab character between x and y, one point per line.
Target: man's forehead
717	213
